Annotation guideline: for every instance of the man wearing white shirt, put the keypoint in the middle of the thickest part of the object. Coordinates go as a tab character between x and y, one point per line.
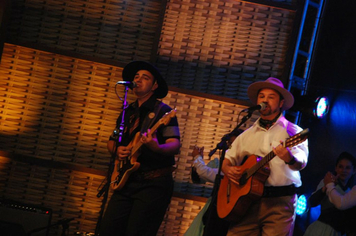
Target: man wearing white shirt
346	202
274	213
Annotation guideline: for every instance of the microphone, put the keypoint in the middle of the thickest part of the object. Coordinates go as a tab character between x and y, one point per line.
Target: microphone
261	107
130	84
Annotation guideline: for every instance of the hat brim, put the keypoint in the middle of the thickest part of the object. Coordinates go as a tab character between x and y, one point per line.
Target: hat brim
130	70
253	89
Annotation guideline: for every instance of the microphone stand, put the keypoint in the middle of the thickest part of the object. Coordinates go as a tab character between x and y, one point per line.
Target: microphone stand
105	189
214	225
227	137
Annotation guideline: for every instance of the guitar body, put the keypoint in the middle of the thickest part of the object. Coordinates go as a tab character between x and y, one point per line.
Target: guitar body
234	200
124	168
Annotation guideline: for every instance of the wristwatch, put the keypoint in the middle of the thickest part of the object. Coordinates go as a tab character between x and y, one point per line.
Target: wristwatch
291	162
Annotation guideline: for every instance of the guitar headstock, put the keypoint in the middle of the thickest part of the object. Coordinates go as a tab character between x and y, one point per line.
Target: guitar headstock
297	139
168	116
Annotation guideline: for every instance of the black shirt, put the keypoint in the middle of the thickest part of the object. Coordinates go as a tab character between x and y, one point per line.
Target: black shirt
148	159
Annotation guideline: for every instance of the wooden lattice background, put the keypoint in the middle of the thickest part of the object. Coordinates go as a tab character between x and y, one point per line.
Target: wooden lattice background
216	47
63	110
92	28
220	47
58	102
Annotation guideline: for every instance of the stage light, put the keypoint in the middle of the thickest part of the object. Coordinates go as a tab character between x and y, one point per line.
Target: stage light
301	205
321	107
312	106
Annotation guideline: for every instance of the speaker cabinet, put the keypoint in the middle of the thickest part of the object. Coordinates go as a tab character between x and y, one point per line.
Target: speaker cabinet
17	219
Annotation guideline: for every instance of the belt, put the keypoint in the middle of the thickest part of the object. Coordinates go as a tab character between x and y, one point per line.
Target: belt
279	191
153	173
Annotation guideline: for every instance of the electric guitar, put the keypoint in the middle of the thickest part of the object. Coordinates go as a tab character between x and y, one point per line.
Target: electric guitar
124	168
234	200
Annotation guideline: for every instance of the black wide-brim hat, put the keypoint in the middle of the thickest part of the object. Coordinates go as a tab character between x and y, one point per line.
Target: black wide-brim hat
130	70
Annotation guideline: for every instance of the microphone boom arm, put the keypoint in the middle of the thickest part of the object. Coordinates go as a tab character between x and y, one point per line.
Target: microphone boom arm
226	137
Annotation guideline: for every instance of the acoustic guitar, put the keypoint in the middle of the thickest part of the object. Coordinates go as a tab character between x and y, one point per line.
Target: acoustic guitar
234	200
124	168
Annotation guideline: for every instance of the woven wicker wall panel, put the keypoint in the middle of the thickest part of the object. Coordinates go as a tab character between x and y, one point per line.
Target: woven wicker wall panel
202	122
220	47
70	194
116	30
180	214
216	47
62	109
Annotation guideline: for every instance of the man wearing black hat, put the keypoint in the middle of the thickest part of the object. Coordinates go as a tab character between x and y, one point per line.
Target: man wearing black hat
139	205
273	213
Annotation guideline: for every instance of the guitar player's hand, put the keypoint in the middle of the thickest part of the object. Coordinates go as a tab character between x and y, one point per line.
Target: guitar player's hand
123	152
283	152
149	140
232	172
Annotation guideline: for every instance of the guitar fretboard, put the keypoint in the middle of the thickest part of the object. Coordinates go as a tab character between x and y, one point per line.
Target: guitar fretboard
260	164
163	121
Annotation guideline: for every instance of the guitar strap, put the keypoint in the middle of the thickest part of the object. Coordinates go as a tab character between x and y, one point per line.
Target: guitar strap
151	117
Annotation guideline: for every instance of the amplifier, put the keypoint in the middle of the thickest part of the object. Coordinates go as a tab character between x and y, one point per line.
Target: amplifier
18	219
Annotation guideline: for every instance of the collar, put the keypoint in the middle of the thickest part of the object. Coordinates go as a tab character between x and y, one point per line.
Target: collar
344	188
280	120
150	103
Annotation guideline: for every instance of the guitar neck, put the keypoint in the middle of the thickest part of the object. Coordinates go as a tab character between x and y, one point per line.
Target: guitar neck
260	164
290	142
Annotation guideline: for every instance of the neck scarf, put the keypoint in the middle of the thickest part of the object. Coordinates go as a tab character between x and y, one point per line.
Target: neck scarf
268	123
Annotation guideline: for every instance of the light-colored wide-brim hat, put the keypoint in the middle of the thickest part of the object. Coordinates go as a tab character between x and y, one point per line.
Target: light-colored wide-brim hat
131	69
271	83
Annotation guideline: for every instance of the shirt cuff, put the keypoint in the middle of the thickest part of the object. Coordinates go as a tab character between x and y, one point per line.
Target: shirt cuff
330	187
197	157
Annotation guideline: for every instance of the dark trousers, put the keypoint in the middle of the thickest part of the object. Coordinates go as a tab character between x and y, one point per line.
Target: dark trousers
214	225
138	208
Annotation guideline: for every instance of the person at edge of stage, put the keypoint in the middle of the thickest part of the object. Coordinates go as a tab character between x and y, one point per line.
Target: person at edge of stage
138	208
331	221
345	202
273	214
202	172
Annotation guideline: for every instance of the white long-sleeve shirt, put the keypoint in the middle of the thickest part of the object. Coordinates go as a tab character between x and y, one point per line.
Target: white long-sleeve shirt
207	173
259	141
341	202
